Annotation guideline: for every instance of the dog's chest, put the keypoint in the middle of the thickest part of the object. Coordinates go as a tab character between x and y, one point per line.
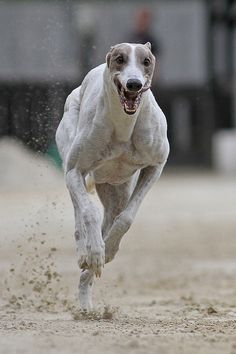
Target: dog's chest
127	159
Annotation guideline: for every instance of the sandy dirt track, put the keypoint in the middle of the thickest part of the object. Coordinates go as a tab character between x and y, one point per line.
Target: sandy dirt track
171	288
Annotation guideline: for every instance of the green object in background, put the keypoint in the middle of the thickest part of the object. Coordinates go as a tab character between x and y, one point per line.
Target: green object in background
52	152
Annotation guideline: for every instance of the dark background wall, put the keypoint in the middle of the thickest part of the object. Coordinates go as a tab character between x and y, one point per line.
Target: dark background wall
47	47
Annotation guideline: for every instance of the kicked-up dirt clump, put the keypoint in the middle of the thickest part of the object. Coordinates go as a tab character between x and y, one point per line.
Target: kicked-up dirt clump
34	282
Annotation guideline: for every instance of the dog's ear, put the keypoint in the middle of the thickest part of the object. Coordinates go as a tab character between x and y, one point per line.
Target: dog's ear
108	56
148	44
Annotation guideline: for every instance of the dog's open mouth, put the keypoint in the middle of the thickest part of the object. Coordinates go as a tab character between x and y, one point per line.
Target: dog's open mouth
130	100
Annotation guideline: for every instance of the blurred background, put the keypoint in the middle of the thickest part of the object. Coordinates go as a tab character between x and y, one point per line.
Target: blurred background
48	46
173	280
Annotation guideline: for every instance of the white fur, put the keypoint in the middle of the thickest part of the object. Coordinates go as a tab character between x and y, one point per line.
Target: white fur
132	70
124	154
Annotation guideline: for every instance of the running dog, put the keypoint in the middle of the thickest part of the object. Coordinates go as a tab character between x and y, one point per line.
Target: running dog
112	132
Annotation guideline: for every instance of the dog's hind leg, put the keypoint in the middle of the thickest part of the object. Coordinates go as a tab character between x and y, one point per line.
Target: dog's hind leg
85	289
114	200
125	218
87	275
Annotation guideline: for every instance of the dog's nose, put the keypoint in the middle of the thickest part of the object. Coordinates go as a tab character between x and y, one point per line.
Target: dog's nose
134	85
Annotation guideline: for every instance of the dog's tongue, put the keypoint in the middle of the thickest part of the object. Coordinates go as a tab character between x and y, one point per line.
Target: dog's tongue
130	103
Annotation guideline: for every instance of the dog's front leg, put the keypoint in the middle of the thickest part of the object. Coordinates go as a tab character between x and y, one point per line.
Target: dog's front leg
124	220
90	245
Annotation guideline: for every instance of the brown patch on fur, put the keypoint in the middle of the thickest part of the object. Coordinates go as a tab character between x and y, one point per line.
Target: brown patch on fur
120	50
143	52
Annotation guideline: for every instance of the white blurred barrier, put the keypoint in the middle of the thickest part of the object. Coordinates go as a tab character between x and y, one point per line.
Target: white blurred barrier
21	170
224	151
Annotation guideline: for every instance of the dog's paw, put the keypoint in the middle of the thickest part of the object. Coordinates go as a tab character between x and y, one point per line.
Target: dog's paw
96	256
111	248
120	226
85	290
82	252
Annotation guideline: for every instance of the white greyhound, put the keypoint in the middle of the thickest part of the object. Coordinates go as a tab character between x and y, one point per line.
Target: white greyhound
114	132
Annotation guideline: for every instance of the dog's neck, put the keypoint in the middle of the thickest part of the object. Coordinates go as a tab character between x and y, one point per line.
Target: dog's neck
123	123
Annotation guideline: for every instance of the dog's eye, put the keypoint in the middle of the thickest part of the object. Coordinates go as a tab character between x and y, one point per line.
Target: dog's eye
120	60
147	62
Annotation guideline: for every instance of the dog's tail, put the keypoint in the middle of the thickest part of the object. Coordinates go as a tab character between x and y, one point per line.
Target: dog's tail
90	184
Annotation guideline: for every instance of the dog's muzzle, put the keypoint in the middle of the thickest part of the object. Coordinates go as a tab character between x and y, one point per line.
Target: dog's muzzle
130	96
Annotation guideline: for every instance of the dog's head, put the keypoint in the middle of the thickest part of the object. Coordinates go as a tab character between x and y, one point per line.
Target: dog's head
131	69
